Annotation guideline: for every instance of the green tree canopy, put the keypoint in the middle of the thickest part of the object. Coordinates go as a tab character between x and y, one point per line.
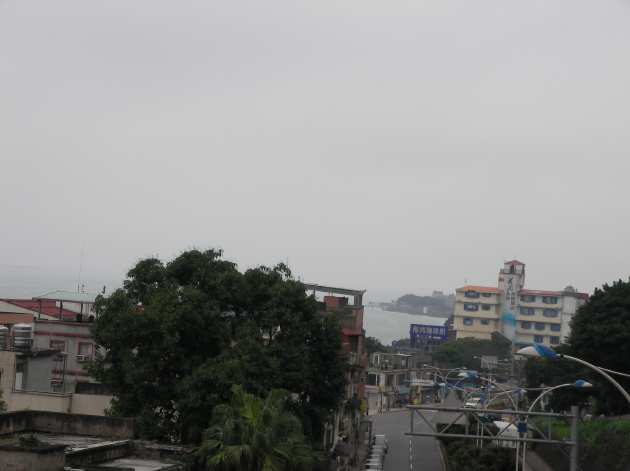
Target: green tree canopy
542	372
374	345
600	334
252	434
462	352
177	336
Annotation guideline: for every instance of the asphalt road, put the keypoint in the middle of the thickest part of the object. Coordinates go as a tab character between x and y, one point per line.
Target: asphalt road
424	450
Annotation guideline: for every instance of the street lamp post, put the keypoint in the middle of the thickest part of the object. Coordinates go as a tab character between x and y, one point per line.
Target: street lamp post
541	351
580	384
444	378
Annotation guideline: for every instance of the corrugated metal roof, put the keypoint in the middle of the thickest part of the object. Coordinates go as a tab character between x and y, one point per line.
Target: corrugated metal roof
6	307
48	308
540	292
481	289
68	296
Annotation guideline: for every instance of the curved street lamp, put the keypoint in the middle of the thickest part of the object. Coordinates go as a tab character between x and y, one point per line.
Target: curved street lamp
444	378
579	384
542	351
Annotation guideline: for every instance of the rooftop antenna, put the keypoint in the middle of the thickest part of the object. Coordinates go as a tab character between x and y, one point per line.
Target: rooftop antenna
80	271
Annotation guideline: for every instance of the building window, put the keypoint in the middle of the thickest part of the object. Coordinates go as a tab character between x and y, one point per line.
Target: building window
468	321
555	327
538	338
554	340
485	321
550	299
528	298
526	325
550	312
389	380
85	349
372	379
527	311
486	295
539	326
471	294
58	345
471	307
486	307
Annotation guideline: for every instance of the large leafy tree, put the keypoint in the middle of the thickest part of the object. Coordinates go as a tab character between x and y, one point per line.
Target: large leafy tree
179	335
541	372
462	352
600	334
252	434
374	345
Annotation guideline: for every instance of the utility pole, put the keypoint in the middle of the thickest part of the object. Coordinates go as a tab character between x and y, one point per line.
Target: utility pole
575	413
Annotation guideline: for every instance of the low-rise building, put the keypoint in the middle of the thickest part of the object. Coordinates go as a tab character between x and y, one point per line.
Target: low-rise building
346	430
522	315
46	345
388	378
347	304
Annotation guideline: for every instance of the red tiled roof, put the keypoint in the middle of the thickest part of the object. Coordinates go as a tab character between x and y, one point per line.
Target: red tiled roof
538	292
48	307
514	262
10	318
351	332
481	289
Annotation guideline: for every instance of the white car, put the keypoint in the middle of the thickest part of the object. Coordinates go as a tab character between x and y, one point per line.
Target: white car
474	403
380	440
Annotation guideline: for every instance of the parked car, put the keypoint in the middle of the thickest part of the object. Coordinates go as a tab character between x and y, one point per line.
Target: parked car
474	403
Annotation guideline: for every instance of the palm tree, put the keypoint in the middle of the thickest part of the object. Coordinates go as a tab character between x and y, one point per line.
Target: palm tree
252	434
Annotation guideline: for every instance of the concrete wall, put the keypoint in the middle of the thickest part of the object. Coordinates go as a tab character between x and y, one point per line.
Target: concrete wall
7	375
90	404
87	404
72	424
100	454
38	372
72	333
45	458
30	400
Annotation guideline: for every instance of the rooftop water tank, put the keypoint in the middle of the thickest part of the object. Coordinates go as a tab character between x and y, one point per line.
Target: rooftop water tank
4	338
22	336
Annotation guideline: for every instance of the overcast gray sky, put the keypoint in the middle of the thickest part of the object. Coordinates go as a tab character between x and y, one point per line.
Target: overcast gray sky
390	145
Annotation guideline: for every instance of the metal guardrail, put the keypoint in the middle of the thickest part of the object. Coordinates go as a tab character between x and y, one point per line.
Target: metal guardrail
484	434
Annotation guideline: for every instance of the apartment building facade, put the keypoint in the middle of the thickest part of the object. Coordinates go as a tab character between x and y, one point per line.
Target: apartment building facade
522	315
388	378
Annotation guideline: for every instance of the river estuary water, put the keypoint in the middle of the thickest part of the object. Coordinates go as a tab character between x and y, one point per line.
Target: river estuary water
389	325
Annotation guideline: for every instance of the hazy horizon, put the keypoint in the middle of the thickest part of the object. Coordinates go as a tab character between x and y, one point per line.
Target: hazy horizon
398	147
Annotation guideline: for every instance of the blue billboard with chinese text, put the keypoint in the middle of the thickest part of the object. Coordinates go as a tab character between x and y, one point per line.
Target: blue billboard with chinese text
419	334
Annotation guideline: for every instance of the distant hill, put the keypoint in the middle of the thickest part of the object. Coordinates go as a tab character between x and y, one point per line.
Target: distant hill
438	304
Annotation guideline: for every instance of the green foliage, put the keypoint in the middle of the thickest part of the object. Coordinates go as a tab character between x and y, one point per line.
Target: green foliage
178	336
539	372
253	434
600	334
461	352
373	345
604	443
464	456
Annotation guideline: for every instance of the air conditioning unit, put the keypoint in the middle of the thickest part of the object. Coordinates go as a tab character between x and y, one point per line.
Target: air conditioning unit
82	358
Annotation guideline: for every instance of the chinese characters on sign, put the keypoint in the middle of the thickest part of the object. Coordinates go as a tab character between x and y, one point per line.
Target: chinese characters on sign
419	333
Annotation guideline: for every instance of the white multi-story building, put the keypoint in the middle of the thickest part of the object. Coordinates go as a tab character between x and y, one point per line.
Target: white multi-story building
522	315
